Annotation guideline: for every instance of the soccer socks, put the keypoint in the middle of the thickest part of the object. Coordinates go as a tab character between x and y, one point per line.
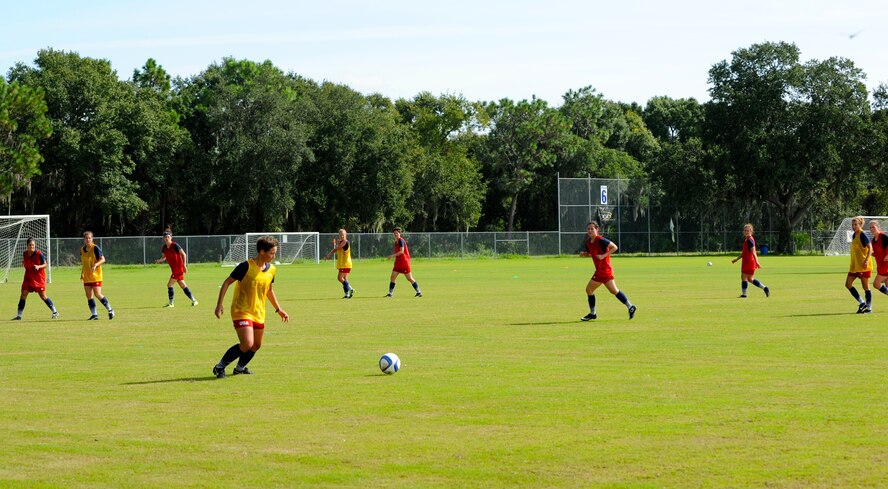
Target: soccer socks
346	286
171	294
92	306
107	304
231	355
21	307
743	286
869	298
758	284
855	294
48	303
884	289
245	358
622	297
416	287
391	288
188	294
592	303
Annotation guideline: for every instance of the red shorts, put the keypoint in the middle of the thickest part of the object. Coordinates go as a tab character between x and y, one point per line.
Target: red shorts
29	289
748	272
178	276
246	323
602	278
404	269
345	270
883	270
92	284
860	274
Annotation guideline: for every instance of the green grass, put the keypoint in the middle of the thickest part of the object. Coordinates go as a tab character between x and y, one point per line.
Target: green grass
501	385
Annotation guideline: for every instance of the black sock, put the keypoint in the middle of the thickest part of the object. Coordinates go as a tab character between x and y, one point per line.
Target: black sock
188	294
92	306
21	307
884	289
622	297
230	355
416	286
106	304
170	293
49	304
345	286
869	296
854	293
245	358
758	284
743	286
591	299
391	287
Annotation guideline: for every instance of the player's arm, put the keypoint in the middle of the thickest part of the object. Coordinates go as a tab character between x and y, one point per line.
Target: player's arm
738	258
277	306
755	257
100	259
162	259
222	290
184	260
611	249
43	263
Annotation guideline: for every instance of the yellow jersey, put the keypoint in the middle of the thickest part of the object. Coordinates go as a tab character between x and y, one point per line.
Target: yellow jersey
344	256
859	249
251	291
89	255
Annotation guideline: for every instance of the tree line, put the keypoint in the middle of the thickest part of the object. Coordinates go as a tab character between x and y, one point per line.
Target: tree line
244	146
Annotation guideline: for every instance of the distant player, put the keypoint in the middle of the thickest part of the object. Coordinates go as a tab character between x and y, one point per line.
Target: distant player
91	260
880	252
861	266
35	279
749	264
402	264
600	249
175	257
342	250
255	280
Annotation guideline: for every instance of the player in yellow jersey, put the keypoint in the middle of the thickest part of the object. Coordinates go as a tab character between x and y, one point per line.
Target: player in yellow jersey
255	279
91	260
342	250
861	266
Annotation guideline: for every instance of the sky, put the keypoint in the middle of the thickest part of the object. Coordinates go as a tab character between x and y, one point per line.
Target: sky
629	51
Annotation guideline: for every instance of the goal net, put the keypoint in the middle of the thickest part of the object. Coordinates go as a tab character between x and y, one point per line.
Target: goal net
292	248
14	232
841	241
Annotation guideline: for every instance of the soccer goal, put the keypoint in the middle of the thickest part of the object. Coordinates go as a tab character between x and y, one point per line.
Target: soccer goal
292	248
14	232
841	241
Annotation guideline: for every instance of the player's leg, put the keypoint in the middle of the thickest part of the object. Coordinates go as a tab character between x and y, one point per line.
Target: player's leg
879	284
392	279
414	283
612	288
244	330
46	300
187	291
21	305
246	356
590	297
170	292
868	294
104	300
346	287
90	301
849	284
744	284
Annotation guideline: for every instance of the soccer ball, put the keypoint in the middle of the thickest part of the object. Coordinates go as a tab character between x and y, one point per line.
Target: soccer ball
389	363
709	264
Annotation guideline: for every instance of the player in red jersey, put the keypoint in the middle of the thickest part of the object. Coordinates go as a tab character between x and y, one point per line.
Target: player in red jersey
600	249
749	263
880	252
35	279
402	264
175	257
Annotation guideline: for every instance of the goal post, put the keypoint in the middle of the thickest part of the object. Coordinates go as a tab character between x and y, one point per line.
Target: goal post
14	232
841	241
292	248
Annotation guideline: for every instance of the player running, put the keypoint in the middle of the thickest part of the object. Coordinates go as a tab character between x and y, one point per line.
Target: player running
600	249
35	279
175	257
255	280
402	264
91	260
749	263
880	252
861	266
342	250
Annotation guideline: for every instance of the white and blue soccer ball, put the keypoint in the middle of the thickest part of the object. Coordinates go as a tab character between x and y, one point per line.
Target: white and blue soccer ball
389	363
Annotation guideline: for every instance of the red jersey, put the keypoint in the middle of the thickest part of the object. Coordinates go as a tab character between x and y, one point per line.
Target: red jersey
402	261
34	279
748	263
880	250
174	258
603	269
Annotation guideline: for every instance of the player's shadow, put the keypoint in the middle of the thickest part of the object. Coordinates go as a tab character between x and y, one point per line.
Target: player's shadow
543	323
820	314
164	381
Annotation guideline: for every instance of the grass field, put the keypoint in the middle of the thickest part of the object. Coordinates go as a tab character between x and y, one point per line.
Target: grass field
501	385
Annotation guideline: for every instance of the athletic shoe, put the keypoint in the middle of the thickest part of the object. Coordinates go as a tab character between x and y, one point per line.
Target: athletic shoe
588	317
418	294
170	305
345	296
238	371
742	296
55	315
632	311
94	317
219	372
389	294
767	292
194	303
351	292
868	310
17	318
861	308
111	314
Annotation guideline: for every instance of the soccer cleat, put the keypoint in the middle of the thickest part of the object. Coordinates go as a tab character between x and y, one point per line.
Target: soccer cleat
632	311
868	310
418	294
351	292
55	315
588	317
861	308
389	294
94	317
239	371
111	314
219	372
767	292
170	305
742	296
17	318
194	303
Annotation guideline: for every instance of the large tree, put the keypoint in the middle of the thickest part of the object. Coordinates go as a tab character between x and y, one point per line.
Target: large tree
791	134
23	124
